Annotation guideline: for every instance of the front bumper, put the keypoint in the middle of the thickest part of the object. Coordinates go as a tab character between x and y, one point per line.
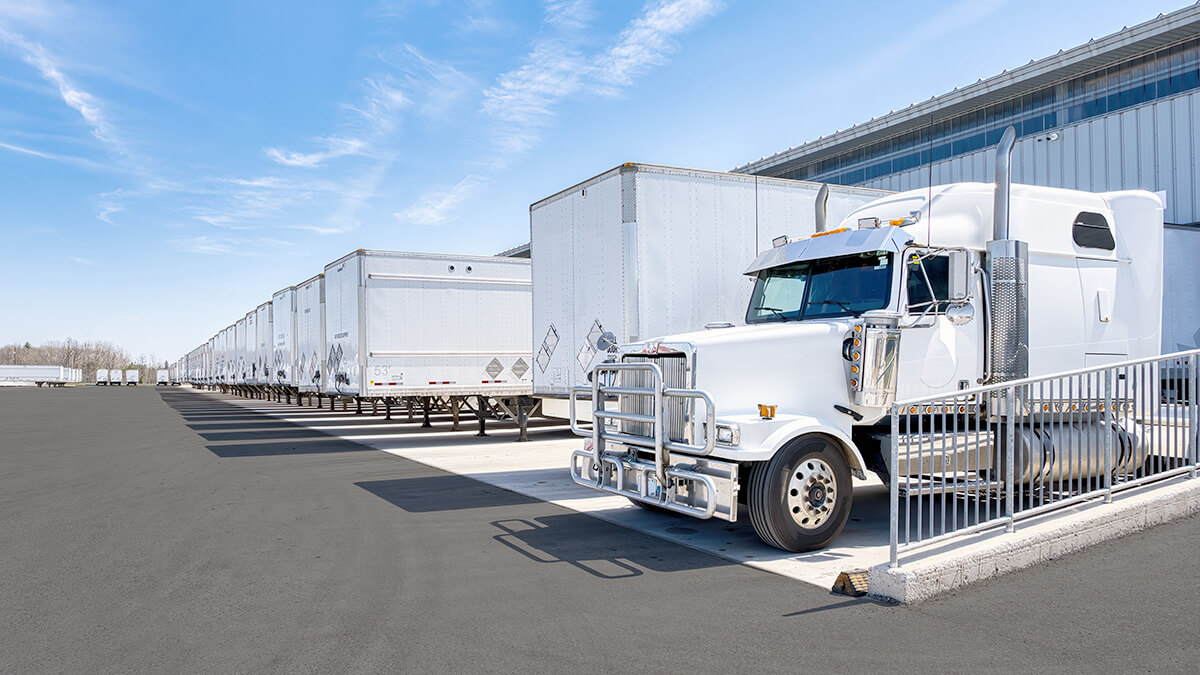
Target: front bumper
698	487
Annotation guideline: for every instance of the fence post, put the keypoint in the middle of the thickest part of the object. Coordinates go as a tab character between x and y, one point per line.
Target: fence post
894	491
1194	409
1108	436
1010	438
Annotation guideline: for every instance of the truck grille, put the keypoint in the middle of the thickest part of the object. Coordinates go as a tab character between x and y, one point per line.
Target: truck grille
678	410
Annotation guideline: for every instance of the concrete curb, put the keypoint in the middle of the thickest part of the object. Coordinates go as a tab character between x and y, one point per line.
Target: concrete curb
1059	533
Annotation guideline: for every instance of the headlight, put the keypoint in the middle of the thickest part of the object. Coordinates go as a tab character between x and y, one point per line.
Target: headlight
728	434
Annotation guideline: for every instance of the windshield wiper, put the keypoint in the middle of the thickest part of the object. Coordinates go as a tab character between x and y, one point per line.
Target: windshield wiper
778	312
839	303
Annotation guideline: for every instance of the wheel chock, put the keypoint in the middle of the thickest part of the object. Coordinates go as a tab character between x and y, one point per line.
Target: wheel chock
852	583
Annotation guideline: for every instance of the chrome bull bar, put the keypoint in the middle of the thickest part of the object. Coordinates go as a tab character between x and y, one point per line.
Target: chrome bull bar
671	487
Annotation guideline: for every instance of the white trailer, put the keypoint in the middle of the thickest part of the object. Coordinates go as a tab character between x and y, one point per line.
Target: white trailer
429	327
283	340
133	377
310	336
1181	292
163	376
209	367
264	348
250	349
102	377
220	369
240	350
39	375
230	355
114	377
645	250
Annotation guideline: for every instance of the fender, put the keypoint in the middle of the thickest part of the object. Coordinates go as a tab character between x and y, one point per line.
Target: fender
794	427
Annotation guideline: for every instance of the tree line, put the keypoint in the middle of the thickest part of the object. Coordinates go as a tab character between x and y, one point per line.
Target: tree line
87	356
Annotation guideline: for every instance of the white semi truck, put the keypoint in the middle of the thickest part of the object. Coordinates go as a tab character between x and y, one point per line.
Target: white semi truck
162	376
133	377
918	293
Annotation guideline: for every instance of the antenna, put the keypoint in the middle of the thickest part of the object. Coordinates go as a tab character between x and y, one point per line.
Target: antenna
929	197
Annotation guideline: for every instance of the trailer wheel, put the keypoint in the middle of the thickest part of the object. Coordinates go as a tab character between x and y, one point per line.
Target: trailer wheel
800	499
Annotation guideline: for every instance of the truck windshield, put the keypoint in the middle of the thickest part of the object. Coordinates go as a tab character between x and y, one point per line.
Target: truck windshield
827	287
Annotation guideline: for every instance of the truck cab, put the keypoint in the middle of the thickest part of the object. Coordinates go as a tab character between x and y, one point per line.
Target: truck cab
914	294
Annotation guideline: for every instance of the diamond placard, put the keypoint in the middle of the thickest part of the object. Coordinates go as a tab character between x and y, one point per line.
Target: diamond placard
584	357
494	368
593	335
520	368
543	358
551	341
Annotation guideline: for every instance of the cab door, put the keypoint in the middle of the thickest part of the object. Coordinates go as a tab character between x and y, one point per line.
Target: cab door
937	355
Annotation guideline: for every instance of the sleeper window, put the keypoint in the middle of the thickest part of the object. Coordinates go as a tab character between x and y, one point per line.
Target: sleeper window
1091	231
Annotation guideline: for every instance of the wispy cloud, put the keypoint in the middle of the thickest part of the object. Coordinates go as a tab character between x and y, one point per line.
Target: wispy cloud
334	147
523	100
380	106
107	211
648	40
82	261
68	159
374	116
213	245
330	226
434	85
438	208
407	82
83	102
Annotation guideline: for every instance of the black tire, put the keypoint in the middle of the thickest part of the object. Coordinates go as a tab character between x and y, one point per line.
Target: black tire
816	462
654	508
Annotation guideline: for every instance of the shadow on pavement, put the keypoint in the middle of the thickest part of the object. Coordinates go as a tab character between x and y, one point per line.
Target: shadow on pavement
279	439
601	549
442	493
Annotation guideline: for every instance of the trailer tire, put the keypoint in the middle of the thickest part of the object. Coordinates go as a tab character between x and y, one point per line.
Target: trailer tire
795	488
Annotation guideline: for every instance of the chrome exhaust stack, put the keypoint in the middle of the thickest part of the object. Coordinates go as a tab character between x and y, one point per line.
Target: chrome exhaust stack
821	206
1008	272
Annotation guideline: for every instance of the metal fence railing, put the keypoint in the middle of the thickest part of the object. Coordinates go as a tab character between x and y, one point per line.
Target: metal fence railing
990	456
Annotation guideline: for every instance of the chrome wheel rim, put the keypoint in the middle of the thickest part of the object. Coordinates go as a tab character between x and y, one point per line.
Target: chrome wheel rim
811	493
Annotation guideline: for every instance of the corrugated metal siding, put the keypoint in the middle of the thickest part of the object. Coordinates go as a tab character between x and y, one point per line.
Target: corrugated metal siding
1153	147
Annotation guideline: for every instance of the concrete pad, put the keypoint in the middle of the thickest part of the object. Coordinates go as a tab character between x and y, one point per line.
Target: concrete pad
539	469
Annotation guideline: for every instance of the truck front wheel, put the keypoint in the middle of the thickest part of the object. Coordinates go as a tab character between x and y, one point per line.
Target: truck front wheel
800	499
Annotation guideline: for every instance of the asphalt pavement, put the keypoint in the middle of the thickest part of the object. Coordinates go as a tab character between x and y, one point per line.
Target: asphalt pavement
167	530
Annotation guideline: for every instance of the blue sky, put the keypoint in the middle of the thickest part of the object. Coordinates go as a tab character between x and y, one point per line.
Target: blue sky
166	166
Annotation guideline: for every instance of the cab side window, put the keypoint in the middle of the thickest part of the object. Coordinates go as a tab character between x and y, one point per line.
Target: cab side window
937	269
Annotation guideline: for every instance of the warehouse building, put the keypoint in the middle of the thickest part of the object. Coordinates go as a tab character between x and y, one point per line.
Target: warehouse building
1119	112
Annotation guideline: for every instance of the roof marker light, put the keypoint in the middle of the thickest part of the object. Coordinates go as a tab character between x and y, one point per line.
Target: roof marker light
822	234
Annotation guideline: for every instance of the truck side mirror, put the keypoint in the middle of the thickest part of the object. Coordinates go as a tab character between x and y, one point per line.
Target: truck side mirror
959	286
